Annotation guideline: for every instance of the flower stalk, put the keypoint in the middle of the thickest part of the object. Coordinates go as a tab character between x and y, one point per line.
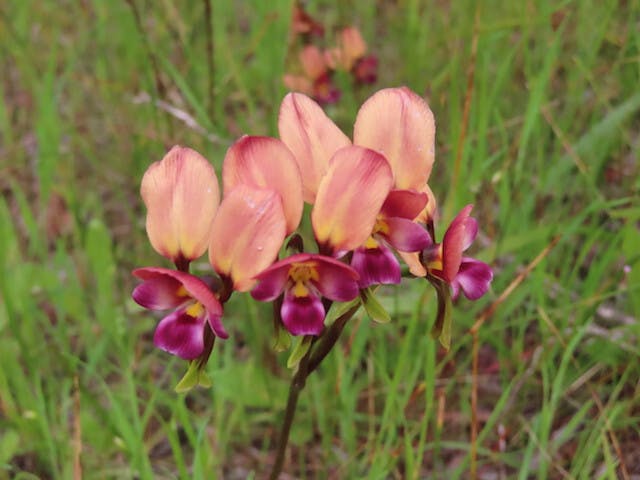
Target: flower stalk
319	350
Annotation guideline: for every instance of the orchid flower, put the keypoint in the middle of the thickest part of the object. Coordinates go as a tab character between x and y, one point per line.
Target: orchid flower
181	195
304	279
350	56
445	261
399	125
315	79
349	198
194	307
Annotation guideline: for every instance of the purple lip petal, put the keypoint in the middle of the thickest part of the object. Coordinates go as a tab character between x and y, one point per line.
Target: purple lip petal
376	266
404	204
181	335
473	278
271	282
159	293
303	315
216	325
337	281
407	236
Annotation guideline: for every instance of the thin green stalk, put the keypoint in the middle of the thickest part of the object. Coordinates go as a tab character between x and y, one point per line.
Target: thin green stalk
309	362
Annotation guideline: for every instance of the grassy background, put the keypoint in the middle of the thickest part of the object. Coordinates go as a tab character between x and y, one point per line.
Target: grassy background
548	151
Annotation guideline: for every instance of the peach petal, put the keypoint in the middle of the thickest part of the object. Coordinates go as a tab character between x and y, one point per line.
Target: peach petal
248	232
353	45
349	198
430	212
313	62
399	124
181	195
311	136
265	162
412	259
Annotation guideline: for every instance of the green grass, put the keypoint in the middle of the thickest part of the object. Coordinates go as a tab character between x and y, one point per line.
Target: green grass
550	149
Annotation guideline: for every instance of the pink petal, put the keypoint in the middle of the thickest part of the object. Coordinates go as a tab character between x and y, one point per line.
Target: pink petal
303	315
157	292
271	283
376	266
398	123
194	286
404	203
430	211
349	198
406	236
336	280
171	188
181	335
248	232
265	162
470	233
473	278
311	136
453	244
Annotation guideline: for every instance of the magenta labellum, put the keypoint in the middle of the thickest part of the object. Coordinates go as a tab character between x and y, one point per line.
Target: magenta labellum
304	279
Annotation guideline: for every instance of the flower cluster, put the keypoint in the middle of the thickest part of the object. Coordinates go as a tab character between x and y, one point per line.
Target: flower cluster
315	66
370	205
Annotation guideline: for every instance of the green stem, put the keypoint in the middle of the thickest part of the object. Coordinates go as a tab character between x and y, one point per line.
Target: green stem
310	362
297	384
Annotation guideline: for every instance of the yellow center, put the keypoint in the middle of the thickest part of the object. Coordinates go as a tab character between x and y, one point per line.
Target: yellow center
381	226
195	310
371	243
301	274
435	263
182	292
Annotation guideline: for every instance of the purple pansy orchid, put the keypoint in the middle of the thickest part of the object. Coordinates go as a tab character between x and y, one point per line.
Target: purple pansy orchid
374	261
445	261
194	305
305	278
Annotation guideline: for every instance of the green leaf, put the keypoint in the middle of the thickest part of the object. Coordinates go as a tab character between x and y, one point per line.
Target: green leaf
195	376
282	340
338	309
373	307
442	326
299	350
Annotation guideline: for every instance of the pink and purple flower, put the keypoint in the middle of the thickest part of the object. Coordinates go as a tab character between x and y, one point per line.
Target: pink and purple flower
446	262
194	308
305	279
